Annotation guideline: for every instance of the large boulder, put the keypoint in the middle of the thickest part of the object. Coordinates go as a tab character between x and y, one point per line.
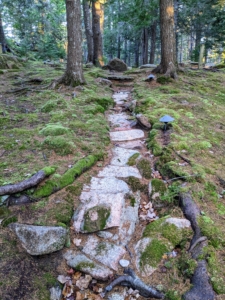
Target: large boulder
39	240
117	64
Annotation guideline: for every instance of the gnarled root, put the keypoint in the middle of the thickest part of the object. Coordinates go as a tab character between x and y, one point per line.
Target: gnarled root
136	283
202	288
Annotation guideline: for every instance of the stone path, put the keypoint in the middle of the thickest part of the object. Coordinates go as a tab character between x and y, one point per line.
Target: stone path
108	215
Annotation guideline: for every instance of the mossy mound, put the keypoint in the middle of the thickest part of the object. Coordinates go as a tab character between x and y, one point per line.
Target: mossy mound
157	189
162	229
10	62
53	104
136	185
54	130
153	253
95	218
59	144
144	167
153	144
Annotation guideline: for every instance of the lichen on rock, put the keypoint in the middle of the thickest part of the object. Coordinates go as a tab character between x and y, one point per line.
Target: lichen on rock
95	218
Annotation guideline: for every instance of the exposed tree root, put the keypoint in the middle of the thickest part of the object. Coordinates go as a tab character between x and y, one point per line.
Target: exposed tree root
181	156
202	288
170	71
136	283
68	79
21	186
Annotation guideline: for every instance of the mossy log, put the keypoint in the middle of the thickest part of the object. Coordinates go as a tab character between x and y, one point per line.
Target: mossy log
53	185
201	288
26	184
135	283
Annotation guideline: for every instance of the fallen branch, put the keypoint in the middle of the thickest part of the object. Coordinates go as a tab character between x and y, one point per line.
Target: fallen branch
26	184
135	283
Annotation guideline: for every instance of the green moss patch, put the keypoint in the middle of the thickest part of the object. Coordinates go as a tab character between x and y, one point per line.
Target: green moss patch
59	144
153	253
95	218
56	184
136	185
54	130
132	159
144	167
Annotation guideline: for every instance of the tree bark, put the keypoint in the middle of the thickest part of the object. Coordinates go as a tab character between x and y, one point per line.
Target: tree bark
88	31
145	46
153	29
168	43
74	70
97	25
2	36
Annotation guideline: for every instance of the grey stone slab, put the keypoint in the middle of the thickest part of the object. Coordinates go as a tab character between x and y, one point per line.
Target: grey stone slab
147	269
126	135
120	97
107	185
121	156
77	259
114	171
107	253
92	199
179	223
129	219
39	240
119	120
136	144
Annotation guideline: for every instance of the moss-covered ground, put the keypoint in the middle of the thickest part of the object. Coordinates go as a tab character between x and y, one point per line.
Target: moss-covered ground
41	128
192	148
45	129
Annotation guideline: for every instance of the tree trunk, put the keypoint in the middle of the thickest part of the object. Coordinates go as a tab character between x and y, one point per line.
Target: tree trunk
198	41
137	45
125	51
153	29
88	30
118	46
2	36
97	25
74	70
168	43
145	46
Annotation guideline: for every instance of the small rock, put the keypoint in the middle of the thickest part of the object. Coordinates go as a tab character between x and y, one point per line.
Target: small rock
39	240
104	81
63	279
124	263
117	65
77	242
89	65
55	293
143	121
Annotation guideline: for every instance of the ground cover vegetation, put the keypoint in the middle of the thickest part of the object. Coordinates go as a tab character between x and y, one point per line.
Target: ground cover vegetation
63	130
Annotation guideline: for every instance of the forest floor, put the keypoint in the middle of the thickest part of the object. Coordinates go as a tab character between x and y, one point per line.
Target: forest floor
31	115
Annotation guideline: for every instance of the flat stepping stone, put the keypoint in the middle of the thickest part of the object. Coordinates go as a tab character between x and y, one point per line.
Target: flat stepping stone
119	120
107	253
126	135
129	220
121	156
119	98
107	185
120	78
132	145
80	261
93	200
115	171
